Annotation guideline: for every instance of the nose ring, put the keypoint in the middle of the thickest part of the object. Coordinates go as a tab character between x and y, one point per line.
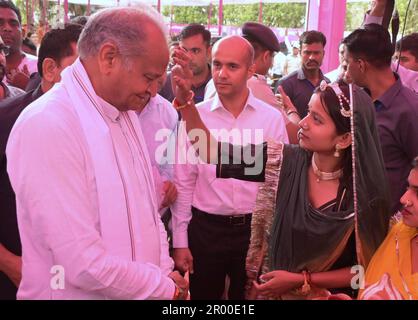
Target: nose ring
408	203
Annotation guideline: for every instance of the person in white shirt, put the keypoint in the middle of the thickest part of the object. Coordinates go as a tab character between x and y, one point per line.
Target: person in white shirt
293	61
86	201
20	65
158	121
278	64
212	217
338	73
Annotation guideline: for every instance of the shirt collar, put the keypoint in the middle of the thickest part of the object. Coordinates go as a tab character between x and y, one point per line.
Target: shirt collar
37	92
251	102
301	75
260	77
6	90
390	94
110	111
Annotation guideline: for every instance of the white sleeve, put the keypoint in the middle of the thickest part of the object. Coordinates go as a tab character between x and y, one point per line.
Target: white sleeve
185	175
368	19
167	264
279	129
55	203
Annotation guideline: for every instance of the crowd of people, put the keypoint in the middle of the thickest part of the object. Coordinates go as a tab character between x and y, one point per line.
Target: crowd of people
133	167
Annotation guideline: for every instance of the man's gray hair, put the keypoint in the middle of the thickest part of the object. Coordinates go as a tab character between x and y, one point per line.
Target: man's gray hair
123	26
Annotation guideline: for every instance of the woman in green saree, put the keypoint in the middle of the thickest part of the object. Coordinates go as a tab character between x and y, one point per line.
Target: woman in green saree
323	206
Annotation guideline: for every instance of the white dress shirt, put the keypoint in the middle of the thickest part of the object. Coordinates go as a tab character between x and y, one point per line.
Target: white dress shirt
197	184
292	63
159	126
58	208
278	63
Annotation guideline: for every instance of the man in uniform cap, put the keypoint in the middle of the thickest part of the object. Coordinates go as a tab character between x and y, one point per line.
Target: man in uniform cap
265	44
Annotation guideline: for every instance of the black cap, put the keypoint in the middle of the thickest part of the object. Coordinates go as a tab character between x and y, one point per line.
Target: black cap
262	34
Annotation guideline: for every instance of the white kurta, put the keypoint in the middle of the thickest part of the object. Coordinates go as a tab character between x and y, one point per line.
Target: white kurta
51	169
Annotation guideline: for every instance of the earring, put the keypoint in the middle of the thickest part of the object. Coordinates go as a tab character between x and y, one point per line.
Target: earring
337	151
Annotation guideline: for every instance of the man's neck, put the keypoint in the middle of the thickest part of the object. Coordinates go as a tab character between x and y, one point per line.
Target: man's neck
380	83
261	71
201	78
45	86
312	75
235	104
14	59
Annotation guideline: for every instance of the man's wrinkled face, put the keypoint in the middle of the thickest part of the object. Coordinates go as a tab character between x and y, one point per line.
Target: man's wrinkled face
10	29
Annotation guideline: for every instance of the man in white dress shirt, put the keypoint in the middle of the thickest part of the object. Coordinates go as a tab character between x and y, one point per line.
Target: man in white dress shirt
86	202
212	217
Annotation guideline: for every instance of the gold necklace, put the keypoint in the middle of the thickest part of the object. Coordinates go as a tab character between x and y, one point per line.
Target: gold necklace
324	176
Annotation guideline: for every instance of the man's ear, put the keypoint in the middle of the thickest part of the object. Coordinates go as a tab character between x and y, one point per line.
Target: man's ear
362	65
49	69
251	71
266	56
108	57
209	54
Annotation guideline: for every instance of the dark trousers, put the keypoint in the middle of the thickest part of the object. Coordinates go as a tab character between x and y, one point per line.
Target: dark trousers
219	247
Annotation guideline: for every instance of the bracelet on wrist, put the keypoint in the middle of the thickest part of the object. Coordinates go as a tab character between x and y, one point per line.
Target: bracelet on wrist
288	113
189	102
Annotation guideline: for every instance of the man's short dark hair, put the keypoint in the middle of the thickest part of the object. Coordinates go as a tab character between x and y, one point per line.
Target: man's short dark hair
195	29
409	43
309	37
56	44
80	20
10	5
372	44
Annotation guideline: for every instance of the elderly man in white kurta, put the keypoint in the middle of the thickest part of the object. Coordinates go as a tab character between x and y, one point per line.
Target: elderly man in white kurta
86	201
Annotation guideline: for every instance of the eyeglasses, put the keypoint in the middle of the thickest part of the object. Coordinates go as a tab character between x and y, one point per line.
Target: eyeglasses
5	50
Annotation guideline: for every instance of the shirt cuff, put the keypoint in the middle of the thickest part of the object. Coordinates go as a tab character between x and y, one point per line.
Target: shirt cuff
368	19
169	289
180	240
